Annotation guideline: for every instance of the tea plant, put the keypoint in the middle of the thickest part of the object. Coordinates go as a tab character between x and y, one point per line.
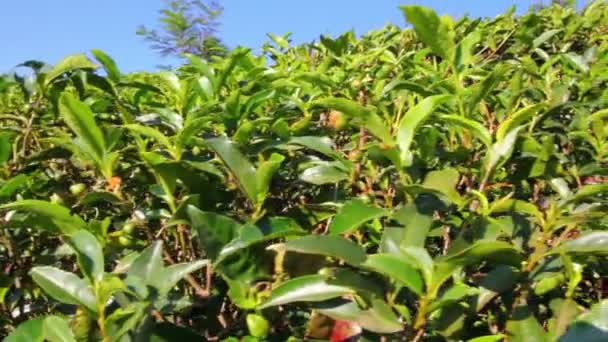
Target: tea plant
442	182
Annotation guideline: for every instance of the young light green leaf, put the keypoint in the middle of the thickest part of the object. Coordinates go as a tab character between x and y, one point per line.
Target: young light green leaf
479	130
412	119
353	214
501	150
434	31
81	120
264	174
70	63
517	119
151	132
108	64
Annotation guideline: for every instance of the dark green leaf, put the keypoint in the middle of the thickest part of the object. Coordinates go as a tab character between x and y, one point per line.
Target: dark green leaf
239	166
331	246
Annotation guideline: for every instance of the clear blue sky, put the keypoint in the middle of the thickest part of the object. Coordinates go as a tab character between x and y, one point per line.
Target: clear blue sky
48	30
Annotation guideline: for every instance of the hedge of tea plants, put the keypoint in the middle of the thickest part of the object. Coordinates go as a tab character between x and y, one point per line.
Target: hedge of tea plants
443	182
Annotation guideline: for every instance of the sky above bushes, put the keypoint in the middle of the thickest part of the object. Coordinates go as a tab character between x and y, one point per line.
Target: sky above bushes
49	30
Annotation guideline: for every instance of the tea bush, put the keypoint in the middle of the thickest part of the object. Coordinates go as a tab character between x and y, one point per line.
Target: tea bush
442	182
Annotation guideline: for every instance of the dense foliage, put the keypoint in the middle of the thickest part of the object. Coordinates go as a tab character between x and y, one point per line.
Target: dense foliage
445	182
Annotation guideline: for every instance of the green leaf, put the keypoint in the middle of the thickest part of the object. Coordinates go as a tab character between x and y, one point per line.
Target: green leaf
453	295
434	31
501	150
352	215
523	327
488	338
312	288
494	251
270	228
445	182
70	63
29	331
482	89
6	146
323	174
239	166
517	119
322	145
81	120
378	317
50	215
148	263
464	51
397	269
544	37
331	246
151	132
479	130
500	279
108	64
591	326
264	174
584	193
64	287
170	276
412	119
416	226
90	255
57	329
364	115
591	243
12	185
214	230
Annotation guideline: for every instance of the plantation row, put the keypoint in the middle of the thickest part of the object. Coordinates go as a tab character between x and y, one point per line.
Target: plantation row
444	182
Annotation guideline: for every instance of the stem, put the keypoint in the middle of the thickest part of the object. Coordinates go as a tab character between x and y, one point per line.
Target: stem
420	321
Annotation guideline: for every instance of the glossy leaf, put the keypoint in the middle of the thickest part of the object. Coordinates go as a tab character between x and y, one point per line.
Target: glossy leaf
90	254
397	269
313	288
64	287
352	215
52	216
239	166
331	246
